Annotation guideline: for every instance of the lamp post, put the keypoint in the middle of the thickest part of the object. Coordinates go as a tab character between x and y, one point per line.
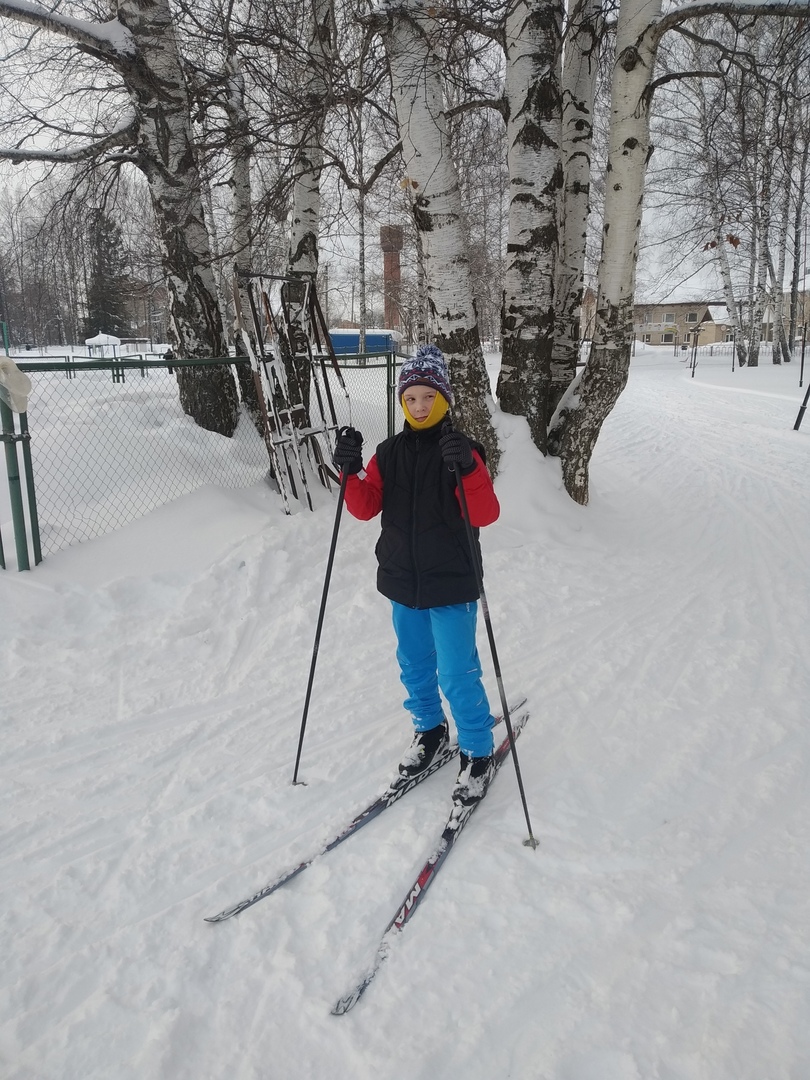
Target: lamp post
697	331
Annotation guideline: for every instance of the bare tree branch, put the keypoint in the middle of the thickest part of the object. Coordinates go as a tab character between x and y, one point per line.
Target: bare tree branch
795	8
110	40
370	180
500	105
124	136
679	76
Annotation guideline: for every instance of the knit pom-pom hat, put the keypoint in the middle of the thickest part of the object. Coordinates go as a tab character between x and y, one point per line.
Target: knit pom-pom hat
427	368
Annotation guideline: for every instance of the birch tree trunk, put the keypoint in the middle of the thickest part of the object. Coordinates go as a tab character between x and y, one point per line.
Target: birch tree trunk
774	206
605	375
302	260
141	46
781	350
760	298
780	345
533	51
166	156
756	114
733	308
762	209
431	180
580	67
752	275
717	210
303	252
241	156
798	220
640	28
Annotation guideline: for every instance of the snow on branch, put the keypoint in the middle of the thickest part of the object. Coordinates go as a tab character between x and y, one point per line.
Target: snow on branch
110	39
123	136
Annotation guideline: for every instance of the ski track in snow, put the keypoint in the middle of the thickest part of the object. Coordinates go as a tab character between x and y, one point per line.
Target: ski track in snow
661	931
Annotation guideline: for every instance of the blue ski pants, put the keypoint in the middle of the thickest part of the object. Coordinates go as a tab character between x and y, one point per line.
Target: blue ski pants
436	650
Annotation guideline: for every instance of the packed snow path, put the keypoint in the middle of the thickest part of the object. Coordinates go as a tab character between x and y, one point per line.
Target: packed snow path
152	687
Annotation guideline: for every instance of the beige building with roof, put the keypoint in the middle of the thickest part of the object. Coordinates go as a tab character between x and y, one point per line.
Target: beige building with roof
677	324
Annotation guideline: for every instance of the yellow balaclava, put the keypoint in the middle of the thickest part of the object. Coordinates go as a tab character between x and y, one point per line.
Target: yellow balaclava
438	411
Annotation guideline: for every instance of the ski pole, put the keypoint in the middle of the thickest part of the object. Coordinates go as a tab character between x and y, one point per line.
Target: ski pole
801	412
317	643
479	578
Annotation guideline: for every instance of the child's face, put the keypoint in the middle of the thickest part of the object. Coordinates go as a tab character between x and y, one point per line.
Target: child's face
419	400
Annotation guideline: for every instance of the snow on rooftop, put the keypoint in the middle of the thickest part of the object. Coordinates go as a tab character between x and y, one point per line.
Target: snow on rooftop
102	339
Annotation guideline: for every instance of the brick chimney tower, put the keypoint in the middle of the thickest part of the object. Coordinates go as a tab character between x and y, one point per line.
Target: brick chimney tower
391	239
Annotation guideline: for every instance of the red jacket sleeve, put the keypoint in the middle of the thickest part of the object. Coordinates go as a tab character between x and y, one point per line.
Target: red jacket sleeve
482	502
364	497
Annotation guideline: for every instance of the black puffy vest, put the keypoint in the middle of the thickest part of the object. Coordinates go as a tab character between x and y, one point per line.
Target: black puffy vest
423	551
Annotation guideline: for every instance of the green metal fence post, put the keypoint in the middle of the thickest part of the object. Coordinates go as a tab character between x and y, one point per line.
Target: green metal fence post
33	515
15	490
391	383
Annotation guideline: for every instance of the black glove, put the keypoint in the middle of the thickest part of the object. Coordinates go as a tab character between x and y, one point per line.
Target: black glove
348	454
456	450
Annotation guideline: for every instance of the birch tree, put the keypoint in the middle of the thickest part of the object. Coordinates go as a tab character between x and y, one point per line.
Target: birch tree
583	39
155	134
640	28
735	141
758	174
758	148
314	87
240	152
800	187
533	39
220	89
478	137
790	162
411	37
721	214
314	76
361	142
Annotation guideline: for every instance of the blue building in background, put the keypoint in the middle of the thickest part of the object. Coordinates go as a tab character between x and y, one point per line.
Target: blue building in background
377	341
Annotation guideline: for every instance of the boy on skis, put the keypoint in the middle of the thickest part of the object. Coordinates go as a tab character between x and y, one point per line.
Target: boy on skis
425	565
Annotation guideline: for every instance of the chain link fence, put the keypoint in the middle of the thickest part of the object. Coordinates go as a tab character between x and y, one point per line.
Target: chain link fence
372	405
110	442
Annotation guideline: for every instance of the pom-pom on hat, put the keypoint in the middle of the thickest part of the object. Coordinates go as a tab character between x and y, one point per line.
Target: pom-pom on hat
427	368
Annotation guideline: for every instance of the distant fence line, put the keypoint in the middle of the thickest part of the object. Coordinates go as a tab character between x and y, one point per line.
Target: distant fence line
106	441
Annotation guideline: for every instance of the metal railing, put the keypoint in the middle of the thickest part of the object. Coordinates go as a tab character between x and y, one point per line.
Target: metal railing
11	439
109	442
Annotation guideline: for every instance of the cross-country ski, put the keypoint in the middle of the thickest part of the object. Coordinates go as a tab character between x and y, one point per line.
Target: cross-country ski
392	794
459	816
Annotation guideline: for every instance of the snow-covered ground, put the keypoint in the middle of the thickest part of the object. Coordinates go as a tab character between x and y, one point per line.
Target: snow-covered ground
152	690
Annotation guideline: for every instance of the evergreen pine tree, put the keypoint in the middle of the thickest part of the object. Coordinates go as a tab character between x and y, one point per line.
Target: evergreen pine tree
107	286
